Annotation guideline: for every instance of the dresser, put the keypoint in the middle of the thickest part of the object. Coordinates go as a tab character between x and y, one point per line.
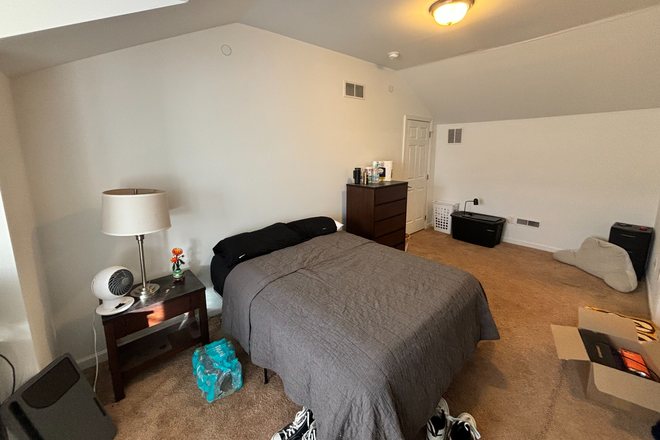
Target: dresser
377	211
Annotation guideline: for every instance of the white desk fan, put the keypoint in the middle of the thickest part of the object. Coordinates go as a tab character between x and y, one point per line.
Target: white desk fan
110	286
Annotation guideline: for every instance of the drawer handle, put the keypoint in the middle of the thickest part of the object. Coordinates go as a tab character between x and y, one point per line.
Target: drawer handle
629	236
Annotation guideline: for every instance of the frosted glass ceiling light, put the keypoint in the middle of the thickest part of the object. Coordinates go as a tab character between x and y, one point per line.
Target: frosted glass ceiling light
448	12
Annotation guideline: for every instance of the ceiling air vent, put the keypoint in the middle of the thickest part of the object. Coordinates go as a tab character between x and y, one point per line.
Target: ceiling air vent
352	90
454	135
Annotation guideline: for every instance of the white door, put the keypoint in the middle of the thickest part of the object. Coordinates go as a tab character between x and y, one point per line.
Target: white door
415	164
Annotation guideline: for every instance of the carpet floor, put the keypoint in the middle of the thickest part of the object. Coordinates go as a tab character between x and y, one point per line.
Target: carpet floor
516	388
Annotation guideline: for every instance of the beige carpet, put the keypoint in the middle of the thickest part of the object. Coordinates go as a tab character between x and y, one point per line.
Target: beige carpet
515	387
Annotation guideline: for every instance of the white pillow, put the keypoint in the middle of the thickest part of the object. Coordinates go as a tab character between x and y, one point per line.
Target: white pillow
339	225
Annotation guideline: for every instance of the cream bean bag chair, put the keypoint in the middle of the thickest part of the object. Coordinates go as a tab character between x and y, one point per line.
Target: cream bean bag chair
604	260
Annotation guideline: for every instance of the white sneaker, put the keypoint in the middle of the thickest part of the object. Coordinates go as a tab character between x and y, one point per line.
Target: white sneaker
437	427
443	406
464	428
298	428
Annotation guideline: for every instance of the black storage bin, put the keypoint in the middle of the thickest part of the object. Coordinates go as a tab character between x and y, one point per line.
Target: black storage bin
636	240
484	230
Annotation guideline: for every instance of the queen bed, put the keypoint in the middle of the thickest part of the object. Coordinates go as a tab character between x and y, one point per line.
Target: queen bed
367	336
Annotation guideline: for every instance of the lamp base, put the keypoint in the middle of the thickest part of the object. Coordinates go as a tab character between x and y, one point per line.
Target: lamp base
140	292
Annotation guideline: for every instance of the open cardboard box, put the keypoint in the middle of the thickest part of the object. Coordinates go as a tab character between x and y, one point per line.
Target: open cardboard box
609	385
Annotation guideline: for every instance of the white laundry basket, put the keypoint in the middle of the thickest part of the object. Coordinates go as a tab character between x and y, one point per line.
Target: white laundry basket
442	215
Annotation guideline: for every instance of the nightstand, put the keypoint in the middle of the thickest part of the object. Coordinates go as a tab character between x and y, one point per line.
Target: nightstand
129	356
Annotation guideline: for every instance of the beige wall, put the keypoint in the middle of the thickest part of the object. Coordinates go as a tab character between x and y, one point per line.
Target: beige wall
15	335
238	141
26	336
576	175
653	273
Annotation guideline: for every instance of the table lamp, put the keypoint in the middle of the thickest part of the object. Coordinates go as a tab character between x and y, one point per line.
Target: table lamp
137	212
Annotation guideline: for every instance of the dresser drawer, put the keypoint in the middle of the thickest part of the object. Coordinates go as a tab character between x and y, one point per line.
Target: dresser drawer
388	210
393	238
389	225
390	194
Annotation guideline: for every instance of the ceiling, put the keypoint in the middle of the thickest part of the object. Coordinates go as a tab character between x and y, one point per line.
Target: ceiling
611	66
365	29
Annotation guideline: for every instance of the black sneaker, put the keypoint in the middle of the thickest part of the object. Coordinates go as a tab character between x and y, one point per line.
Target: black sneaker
436	428
296	429
311	433
464	428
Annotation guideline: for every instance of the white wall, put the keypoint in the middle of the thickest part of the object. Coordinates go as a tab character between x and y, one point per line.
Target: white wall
577	175
238	141
653	272
23	337
22	230
15	336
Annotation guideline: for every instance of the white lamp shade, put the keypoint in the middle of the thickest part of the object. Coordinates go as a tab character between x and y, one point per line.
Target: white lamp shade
134	211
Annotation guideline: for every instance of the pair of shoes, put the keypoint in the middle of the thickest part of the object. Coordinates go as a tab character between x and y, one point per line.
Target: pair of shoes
299	429
443	426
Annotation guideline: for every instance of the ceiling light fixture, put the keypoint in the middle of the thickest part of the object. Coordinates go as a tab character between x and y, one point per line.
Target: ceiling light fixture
448	12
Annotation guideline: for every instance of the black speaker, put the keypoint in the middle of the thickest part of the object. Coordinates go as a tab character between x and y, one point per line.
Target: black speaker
636	240
58	403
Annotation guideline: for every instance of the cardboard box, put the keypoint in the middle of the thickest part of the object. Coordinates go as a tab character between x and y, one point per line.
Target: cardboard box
609	385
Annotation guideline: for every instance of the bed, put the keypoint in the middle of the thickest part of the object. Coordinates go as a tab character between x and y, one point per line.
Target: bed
367	336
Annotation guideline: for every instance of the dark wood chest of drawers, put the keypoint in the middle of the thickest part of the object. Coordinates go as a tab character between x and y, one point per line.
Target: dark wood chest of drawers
378	212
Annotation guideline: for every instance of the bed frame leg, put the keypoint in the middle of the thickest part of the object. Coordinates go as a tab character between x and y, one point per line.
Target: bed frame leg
265	376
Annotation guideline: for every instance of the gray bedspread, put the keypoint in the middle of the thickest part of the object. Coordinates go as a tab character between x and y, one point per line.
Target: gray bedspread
367	336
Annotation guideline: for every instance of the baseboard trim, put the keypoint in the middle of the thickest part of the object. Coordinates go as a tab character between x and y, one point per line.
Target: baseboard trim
529	244
90	361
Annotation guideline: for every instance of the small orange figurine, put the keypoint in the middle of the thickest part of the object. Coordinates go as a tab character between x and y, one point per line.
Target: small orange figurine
177	261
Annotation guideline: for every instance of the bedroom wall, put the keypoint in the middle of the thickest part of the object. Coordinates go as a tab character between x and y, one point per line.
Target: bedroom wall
25	334
576	175
15	335
238	142
653	272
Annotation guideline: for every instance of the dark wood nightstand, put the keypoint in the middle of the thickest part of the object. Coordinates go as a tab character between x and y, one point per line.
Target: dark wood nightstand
129	358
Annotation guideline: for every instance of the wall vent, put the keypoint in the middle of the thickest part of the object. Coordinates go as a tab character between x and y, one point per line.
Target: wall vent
531	223
454	135
353	90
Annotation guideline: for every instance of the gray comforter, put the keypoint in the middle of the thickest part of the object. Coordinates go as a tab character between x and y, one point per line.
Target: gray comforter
366	336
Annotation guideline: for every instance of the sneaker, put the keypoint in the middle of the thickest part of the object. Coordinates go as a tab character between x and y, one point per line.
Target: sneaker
436	428
464	428
297	429
311	433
